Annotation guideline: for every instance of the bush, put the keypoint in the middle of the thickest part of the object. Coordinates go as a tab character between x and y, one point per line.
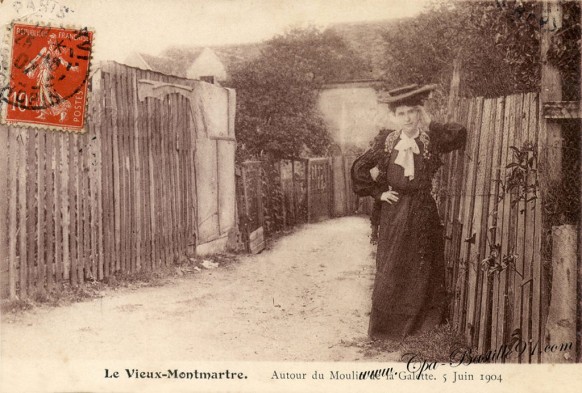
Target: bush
277	112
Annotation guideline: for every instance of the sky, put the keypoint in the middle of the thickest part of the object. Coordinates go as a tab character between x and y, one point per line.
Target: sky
150	26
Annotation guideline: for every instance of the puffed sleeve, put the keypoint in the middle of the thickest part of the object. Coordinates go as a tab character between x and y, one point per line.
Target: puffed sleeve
362	182
446	137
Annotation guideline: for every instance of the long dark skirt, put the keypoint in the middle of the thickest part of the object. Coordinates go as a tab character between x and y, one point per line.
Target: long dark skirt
409	293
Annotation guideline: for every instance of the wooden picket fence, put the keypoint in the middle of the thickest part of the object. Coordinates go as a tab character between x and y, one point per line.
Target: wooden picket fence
120	198
493	230
307	190
50	227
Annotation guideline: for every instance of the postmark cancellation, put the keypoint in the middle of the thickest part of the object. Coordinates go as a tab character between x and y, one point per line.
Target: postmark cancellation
46	78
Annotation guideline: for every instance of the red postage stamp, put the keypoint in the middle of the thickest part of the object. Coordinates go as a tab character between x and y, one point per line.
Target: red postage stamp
48	77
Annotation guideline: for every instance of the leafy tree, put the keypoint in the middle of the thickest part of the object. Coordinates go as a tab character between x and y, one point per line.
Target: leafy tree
498	43
277	110
564	51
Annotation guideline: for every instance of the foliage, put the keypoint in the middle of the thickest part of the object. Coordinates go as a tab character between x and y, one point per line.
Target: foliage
497	42
436	345
350	149
277	93
521	184
561	205
493	264
519	179
367	40
564	50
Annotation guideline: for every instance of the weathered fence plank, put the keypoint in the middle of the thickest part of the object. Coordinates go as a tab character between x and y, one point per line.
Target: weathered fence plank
518	235
57	227
508	226
460	266
80	179
529	251
41	209
30	222
4	209
522	237
12	228
537	267
116	159
135	168
22	208
99	184
167	175
498	282
477	234
141	122
49	210
473	214
454	218
107	156
489	226
125	185
153	188
191	206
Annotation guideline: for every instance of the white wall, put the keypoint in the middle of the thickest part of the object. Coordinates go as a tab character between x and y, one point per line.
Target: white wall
213	109
353	114
207	64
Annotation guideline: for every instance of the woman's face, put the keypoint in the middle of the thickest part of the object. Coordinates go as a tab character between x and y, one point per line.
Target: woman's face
407	117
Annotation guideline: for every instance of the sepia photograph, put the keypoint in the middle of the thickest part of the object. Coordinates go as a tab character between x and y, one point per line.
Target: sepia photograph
290	196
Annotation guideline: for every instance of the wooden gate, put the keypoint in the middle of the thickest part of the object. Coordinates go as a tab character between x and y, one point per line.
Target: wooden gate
251	215
294	190
148	157
319	189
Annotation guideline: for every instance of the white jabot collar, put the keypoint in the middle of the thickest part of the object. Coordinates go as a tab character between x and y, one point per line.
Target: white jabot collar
407	148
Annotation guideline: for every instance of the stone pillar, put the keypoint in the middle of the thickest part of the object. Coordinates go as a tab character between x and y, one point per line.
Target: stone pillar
559	345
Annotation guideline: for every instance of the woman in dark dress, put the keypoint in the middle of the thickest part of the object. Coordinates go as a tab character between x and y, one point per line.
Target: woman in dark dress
409	293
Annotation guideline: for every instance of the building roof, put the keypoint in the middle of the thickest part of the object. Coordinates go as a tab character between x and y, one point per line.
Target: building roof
229	55
176	60
158	63
171	65
354	83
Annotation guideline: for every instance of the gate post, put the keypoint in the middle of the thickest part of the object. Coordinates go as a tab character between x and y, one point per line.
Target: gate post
560	330
309	191
551	90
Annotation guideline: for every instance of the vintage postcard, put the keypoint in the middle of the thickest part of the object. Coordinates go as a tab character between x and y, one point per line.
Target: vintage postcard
290	196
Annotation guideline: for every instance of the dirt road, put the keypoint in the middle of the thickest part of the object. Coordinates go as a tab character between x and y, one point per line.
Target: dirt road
307	298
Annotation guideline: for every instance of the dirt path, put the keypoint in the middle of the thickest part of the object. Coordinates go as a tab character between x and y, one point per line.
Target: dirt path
305	299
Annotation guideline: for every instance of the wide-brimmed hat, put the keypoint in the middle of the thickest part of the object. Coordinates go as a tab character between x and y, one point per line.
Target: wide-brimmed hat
407	95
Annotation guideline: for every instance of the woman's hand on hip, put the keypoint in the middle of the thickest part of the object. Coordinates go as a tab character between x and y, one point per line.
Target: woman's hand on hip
389	196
